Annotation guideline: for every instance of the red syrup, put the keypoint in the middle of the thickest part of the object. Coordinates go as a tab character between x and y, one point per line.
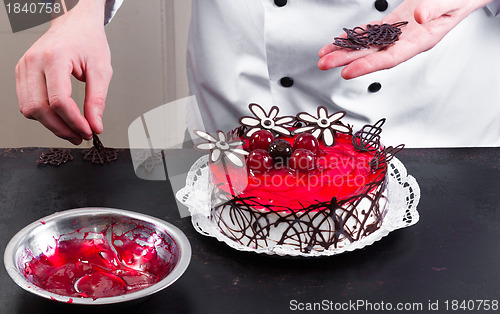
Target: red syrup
94	267
340	171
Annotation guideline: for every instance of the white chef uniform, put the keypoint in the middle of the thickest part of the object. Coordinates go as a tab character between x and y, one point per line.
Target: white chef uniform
266	52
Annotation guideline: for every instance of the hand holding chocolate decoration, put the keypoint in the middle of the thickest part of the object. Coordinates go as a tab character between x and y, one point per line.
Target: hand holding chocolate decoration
374	35
427	24
98	154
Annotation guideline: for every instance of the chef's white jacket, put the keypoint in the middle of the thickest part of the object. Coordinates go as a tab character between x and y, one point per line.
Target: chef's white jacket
266	52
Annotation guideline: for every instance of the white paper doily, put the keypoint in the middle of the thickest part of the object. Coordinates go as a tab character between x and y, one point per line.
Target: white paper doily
403	195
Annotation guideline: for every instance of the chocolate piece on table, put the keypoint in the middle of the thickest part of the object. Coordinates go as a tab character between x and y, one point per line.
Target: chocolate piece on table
56	157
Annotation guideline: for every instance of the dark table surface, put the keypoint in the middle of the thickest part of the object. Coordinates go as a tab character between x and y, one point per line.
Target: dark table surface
451	255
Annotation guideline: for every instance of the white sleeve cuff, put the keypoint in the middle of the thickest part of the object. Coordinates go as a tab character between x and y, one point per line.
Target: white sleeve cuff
111	7
494	7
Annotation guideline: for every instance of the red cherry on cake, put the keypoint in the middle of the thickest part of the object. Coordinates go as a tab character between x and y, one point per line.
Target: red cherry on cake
280	150
302	160
260	160
306	141
261	139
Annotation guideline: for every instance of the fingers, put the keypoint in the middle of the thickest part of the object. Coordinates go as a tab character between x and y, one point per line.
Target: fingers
33	103
434	19
340	57
381	60
52	121
97	83
36	92
365	61
72	46
40	109
332	56
326	50
45	96
21	88
427	11
58	77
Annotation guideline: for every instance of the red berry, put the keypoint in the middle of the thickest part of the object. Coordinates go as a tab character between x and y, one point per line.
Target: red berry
306	141
261	139
259	160
302	160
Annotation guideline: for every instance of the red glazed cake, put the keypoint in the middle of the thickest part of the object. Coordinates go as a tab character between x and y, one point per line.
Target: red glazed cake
304	182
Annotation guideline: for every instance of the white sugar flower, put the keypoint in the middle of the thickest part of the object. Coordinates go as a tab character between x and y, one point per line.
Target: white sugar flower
324	124
263	121
220	147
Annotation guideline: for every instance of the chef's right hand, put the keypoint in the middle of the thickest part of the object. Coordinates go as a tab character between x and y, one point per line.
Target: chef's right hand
75	44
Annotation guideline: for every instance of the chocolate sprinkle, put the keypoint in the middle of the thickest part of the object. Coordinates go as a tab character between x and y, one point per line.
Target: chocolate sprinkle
56	157
98	154
374	35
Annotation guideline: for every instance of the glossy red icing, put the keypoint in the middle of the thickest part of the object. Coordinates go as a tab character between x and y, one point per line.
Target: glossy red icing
340	172
93	267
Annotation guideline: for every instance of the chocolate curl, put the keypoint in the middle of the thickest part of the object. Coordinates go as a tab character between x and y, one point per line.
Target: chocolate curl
374	35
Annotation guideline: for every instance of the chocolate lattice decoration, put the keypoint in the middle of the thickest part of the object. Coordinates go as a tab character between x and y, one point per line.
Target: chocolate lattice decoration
368	138
328	224
56	157
98	154
382	157
374	35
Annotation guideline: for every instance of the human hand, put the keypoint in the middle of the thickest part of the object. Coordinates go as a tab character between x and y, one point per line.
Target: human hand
428	22
75	44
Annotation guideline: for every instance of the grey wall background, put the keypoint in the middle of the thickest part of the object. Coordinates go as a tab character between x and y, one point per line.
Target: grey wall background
147	39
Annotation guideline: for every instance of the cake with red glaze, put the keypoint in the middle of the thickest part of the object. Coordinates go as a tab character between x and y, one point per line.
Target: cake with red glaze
305	182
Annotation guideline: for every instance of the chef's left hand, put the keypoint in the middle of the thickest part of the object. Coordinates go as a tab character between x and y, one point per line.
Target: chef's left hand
428	22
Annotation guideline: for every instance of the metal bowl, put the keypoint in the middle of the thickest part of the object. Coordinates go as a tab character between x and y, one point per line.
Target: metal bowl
41	236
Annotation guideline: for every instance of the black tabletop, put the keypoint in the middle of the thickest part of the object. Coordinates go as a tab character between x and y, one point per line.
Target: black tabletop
448	260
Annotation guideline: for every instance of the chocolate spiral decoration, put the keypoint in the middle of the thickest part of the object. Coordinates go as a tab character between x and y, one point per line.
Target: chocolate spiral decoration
374	35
